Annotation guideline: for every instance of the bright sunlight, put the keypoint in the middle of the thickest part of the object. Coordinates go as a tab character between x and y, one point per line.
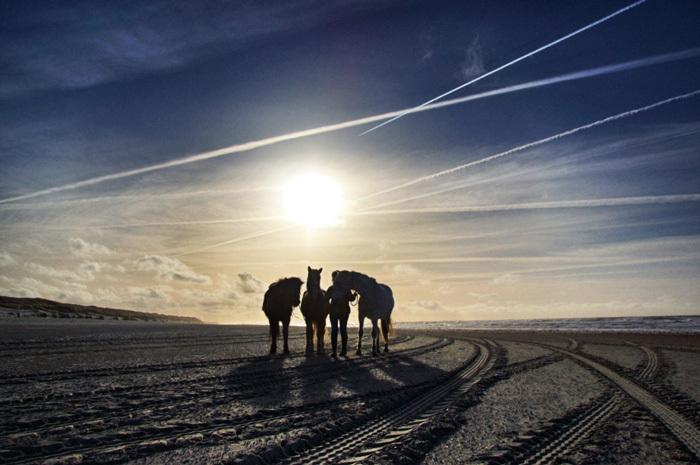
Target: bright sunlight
313	200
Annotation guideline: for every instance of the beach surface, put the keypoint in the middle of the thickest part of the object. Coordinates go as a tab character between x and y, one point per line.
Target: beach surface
154	393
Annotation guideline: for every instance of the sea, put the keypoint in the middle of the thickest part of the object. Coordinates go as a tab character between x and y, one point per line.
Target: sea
650	324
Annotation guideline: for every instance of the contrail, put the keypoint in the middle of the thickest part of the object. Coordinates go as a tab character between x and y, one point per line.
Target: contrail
584	203
252	145
155	224
235	240
571	204
512	62
536	143
137	197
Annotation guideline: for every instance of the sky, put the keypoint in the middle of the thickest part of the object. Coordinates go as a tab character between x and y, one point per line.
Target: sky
179	157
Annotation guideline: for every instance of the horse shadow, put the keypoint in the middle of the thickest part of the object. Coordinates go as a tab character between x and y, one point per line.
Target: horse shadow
276	381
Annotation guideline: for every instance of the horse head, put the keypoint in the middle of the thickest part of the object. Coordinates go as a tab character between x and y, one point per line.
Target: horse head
313	280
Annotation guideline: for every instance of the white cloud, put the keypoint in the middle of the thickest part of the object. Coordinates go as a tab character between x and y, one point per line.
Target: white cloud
6	259
28	287
473	63
147	293
507	278
56	273
405	268
249	284
170	269
83	248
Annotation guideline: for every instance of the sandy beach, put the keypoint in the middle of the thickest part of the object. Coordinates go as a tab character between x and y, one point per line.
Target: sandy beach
156	393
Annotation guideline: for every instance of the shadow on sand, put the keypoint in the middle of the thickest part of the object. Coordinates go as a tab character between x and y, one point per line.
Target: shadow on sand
282	380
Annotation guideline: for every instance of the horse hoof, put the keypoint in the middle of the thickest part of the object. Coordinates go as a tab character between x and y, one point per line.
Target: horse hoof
286	351
359	352
386	349
343	353
334	355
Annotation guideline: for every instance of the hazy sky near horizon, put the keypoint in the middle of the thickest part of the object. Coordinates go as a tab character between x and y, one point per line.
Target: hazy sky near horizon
604	222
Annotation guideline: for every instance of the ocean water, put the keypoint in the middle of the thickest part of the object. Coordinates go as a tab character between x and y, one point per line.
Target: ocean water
652	324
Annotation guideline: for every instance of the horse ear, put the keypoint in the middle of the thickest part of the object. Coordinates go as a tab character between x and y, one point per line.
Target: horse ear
320	270
308	268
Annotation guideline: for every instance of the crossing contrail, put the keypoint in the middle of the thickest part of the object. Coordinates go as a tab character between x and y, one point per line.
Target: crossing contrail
252	145
536	143
583	203
512	62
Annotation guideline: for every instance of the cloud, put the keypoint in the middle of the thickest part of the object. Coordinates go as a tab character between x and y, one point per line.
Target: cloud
28	287
255	144
86	43
146	293
83	248
249	284
97	267
512	62
61	274
170	269
473	63
6	259
427	46
508	278
405	268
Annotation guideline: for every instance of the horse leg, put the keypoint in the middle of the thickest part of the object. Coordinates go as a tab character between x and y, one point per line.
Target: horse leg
320	334
285	334
274	327
359	335
385	334
334	335
344	336
309	337
375	337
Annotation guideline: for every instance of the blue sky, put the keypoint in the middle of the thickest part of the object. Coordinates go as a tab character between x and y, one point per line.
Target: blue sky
95	88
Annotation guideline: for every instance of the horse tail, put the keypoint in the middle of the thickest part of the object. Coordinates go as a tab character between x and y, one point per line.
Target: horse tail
264	304
387	327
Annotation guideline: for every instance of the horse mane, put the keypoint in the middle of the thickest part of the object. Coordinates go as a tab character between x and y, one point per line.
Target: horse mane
278	290
290	280
374	281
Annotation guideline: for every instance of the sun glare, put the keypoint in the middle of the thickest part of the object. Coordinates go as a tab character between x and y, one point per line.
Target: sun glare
313	200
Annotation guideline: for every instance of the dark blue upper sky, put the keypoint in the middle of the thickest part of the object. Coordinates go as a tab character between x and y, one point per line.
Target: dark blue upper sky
109	85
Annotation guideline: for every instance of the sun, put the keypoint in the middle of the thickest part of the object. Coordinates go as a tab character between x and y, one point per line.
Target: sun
313	200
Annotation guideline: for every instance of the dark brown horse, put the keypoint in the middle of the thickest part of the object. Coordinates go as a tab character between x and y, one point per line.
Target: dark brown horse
280	298
314	307
339	311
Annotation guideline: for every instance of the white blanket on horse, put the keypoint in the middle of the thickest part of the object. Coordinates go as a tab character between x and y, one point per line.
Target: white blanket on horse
378	302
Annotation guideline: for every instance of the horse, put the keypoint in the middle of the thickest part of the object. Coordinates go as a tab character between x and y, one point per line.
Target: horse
339	310
280	298
376	303
315	309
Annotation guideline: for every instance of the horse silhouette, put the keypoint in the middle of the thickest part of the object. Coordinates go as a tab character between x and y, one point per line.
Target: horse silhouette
314	307
339	311
280	298
376	303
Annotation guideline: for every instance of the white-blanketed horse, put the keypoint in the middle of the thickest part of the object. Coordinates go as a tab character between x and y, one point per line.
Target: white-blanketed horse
376	303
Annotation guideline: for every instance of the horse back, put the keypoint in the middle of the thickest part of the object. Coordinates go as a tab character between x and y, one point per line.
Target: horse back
378	305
